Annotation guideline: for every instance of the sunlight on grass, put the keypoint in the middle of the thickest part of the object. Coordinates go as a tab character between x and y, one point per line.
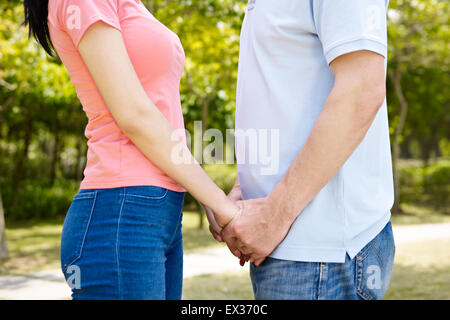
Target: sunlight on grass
194	238
218	287
414	214
34	246
421	271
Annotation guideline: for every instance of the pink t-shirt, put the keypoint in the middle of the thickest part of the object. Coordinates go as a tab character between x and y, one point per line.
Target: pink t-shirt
158	59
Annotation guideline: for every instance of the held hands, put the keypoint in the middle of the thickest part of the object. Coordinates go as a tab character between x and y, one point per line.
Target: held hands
259	229
216	229
256	231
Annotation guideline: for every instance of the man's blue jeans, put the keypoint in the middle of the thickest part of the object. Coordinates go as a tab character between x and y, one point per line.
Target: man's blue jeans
124	243
366	276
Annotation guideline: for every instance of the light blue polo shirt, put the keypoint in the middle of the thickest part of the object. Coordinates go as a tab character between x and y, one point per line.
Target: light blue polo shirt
283	82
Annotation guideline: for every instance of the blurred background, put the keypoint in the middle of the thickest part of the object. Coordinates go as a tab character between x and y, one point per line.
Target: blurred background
43	149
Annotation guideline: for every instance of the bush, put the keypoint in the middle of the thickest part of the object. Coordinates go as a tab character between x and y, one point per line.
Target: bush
427	185
411	183
38	200
437	186
222	175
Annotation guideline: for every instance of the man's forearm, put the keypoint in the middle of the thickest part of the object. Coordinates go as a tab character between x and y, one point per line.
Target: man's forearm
340	128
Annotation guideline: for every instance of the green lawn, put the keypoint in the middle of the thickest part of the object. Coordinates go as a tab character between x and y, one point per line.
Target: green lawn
414	214
421	271
34	246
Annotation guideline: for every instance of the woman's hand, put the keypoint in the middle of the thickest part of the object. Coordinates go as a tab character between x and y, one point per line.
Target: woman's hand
214	228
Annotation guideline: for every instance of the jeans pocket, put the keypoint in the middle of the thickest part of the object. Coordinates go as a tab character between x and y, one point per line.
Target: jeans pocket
374	265
147	196
76	225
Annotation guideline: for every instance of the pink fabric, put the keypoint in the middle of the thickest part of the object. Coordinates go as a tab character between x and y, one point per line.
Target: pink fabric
158	59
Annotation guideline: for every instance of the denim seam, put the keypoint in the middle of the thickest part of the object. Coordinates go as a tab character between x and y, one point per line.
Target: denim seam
85	232
171	244
321	280
117	246
148	197
85	196
359	271
365	251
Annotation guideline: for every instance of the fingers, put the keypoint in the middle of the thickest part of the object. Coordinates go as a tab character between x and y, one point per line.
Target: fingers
244	259
215	234
217	237
242	248
233	248
259	261
212	221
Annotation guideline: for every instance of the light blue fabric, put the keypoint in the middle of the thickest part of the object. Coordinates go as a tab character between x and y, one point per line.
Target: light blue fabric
366	276
283	83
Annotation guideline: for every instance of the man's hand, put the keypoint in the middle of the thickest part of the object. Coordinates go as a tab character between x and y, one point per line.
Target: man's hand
261	227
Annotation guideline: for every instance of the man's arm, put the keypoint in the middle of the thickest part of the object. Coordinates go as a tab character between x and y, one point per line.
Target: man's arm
358	93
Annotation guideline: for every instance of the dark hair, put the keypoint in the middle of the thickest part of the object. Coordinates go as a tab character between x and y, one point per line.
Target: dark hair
36	16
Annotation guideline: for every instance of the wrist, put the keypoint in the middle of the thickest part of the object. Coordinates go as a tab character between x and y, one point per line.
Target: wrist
226	211
283	206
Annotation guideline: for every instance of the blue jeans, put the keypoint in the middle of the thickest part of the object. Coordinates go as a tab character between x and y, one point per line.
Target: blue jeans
366	276
124	243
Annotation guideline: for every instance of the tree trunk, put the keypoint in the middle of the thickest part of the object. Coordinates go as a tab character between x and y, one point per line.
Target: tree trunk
18	171
55	156
78	166
205	114
396	79
427	147
4	254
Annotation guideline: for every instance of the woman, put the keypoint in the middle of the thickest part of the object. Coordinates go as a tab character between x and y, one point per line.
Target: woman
122	235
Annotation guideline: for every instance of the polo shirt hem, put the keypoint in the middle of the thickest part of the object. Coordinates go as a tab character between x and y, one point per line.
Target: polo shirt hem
310	254
360	241
331	255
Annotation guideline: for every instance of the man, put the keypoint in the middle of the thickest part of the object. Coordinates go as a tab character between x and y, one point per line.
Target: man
314	71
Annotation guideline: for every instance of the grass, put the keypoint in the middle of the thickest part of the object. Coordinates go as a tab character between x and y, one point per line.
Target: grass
415	214
229	286
195	239
421	271
34	246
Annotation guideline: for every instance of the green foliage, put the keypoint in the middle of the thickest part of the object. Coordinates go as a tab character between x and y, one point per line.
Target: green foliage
437	185
222	175
209	31
39	200
426	185
42	122
419	46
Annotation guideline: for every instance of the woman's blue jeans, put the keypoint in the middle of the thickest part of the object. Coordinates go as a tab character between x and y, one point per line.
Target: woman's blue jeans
124	243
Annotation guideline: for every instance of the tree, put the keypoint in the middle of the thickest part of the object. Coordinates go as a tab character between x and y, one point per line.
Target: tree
418	38
209	31
3	246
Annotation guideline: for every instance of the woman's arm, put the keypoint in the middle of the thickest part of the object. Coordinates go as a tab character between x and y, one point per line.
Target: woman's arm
104	53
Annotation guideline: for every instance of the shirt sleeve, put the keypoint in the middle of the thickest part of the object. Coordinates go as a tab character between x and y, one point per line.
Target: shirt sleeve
345	26
76	16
